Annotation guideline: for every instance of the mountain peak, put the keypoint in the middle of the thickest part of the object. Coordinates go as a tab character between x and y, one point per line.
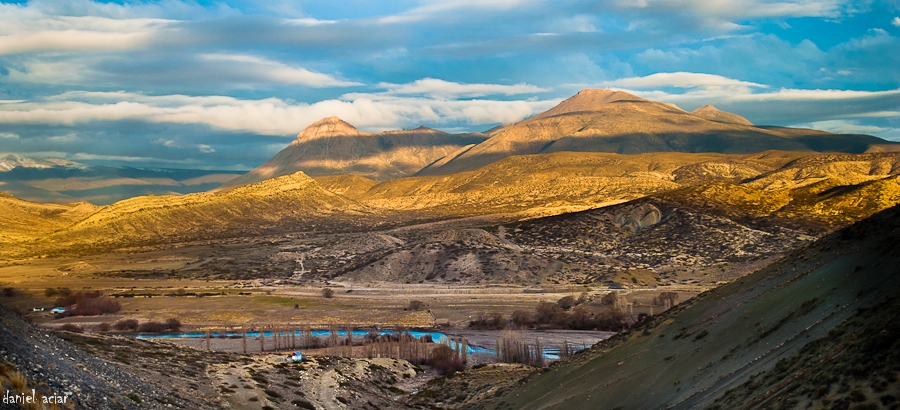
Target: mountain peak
712	113
588	99
327	127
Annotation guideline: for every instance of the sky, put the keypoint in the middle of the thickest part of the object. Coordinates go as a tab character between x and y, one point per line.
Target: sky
227	84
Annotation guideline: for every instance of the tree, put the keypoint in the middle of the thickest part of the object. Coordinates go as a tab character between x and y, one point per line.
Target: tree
609	298
444	359
582	319
521	318
547	313
567	302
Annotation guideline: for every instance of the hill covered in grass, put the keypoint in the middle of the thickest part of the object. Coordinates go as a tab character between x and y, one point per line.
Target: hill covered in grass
817	328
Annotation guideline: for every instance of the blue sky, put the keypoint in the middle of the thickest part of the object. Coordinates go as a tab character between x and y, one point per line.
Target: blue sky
227	84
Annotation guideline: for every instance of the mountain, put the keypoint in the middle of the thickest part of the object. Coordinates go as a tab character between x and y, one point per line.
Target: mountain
288	203
815	329
827	190
22	220
10	161
800	190
333	147
59	180
615	121
562	181
714	114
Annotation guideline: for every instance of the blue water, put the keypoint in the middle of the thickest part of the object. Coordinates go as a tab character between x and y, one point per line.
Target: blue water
438	337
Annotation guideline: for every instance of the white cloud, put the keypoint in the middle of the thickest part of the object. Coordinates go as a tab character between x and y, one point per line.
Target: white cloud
204	148
27	29
8	135
432	9
721	12
845	127
261	68
714	95
270	116
437	87
308	22
684	80
895	22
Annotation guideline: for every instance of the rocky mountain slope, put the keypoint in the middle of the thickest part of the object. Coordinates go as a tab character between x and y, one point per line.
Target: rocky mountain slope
814	329
54	367
614	121
333	147
646	242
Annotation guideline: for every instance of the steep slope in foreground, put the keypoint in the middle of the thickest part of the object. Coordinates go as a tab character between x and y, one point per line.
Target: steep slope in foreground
757	330
331	146
614	121
54	367
290	203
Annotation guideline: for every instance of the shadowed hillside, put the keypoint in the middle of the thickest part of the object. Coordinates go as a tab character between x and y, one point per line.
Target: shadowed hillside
780	337
333	147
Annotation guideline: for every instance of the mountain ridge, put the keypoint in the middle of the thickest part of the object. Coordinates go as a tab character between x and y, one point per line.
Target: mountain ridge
615	121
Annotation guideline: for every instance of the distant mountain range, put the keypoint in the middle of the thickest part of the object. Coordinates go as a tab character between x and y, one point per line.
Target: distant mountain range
590	121
64	181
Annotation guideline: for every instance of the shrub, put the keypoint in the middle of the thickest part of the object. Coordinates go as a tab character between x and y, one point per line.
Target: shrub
445	361
327	293
103	327
151	327
566	302
8	292
87	303
493	320
170	324
416	304
69	327
173	324
126	324
96	306
521	318
609	298
547	313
